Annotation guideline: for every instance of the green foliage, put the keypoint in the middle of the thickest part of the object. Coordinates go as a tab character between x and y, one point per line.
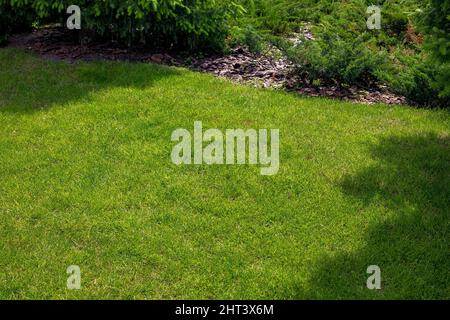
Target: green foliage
415	77
190	24
281	16
335	60
437	28
14	17
249	37
345	52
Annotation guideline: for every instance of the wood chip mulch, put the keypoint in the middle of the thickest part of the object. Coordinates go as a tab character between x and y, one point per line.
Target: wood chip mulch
240	65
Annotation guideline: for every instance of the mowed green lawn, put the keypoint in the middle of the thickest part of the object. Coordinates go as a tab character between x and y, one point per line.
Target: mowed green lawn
86	179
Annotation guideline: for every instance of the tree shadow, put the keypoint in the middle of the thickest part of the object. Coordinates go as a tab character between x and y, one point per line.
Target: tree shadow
409	235
31	83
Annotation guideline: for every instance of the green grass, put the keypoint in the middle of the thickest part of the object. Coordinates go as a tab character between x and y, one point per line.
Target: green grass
86	179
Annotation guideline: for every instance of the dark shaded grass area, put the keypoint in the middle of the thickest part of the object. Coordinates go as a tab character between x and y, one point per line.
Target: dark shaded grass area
40	85
412	249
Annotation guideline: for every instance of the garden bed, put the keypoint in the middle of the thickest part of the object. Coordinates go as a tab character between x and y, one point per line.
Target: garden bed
240	65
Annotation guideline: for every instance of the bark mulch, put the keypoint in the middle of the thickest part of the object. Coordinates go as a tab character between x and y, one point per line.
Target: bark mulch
240	65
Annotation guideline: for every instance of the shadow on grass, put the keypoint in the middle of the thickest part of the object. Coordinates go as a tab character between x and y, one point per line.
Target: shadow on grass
412	246
31	83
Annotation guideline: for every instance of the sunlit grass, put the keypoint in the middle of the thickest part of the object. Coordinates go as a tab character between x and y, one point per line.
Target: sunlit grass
86	179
